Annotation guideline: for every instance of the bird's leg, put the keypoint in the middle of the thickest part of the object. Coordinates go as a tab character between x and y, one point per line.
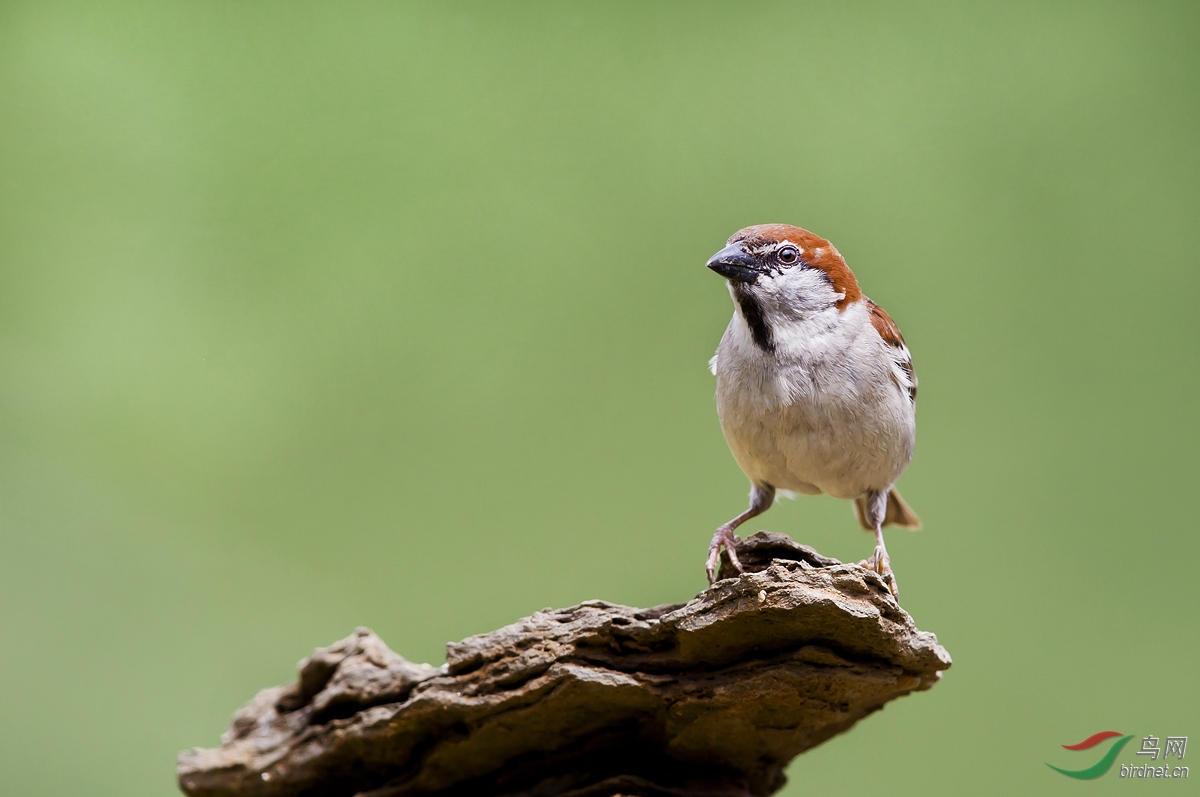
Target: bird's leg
879	561
761	497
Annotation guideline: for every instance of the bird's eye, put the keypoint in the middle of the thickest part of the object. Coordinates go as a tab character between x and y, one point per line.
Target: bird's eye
788	255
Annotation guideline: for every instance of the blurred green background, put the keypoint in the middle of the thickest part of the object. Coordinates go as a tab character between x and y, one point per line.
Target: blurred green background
319	315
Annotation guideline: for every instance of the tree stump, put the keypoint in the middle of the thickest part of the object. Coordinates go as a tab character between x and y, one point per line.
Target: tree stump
709	698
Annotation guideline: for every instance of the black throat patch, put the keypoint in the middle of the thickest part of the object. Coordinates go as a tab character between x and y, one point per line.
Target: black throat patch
752	311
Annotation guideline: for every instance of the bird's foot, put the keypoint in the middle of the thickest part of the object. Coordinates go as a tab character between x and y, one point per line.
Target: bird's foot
881	563
723	536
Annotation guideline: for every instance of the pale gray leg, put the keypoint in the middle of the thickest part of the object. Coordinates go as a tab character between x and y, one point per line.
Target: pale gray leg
761	496
879	561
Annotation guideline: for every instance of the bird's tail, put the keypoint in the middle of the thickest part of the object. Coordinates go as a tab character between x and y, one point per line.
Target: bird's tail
898	513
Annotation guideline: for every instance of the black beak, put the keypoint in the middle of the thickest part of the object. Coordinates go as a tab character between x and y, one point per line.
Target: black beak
734	264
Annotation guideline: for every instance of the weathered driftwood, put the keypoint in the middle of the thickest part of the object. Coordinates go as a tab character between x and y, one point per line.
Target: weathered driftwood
709	698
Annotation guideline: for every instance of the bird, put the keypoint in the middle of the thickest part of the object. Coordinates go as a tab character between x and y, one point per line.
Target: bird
816	391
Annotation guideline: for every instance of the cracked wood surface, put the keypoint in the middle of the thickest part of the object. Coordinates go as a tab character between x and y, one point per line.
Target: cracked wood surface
710	698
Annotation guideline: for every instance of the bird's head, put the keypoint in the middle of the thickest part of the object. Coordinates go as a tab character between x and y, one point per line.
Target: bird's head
782	264
779	274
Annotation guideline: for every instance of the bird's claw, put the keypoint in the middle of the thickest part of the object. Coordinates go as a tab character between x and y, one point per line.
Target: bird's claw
726	537
881	563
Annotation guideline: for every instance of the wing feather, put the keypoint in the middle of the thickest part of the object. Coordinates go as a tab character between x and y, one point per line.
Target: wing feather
906	375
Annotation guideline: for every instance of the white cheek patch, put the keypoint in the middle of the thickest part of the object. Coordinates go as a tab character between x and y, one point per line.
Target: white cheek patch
802	291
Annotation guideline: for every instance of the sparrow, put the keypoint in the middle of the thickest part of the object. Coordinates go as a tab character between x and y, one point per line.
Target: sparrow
816	390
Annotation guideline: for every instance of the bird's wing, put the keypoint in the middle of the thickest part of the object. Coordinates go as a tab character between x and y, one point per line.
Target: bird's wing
902	369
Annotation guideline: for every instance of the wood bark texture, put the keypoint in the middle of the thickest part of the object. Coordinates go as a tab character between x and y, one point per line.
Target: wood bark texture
709	698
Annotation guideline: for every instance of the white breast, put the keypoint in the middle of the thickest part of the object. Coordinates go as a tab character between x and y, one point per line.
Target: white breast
823	413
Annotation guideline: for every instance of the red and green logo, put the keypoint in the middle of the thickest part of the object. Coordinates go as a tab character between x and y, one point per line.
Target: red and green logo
1106	761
